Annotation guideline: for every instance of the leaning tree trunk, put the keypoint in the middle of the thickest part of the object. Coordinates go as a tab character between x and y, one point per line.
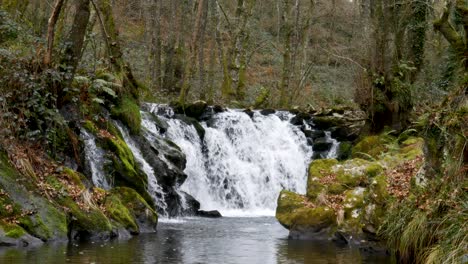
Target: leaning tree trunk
114	51
51	31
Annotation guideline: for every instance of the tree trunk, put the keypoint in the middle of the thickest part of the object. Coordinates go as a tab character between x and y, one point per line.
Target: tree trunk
51	31
114	51
286	73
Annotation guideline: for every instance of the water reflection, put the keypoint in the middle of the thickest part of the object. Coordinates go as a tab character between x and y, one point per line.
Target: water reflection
227	240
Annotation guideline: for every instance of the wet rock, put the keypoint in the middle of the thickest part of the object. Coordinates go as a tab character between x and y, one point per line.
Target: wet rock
209	214
321	144
314	134
249	112
14	238
194	122
266	112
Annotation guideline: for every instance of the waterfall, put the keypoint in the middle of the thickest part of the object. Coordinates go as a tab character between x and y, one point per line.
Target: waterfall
154	189
243	162
333	152
94	160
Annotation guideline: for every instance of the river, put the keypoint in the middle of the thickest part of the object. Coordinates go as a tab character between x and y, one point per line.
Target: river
227	240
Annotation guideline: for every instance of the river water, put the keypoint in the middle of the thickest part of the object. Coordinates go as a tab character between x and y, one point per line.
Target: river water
227	240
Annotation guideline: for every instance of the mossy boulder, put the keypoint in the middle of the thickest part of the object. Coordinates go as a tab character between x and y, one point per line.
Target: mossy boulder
295	213
317	170
128	111
20	200
372	146
14	235
347	200
123	167
193	110
139	214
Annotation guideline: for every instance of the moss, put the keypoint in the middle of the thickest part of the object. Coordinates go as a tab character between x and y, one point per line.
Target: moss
128	112
12	230
374	169
136	204
378	190
352	173
373	146
327	121
353	199
90	220
74	177
292	212
317	170
120	213
90	126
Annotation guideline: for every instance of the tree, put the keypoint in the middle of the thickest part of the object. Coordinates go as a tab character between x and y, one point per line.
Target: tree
51	31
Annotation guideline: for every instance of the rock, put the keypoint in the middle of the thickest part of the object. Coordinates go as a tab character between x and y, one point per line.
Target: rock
193	110
313	134
293	214
249	112
321	144
14	236
193	122
372	146
345	125
209	214
266	112
135	211
357	193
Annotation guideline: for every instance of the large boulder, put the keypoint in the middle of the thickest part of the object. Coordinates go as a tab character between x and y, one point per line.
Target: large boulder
345	201
344	124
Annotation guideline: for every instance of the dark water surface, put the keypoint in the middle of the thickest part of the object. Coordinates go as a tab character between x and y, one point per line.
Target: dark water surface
196	240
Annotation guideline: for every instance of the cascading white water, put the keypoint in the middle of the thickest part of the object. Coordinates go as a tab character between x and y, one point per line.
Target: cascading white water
94	160
333	152
154	189
243	162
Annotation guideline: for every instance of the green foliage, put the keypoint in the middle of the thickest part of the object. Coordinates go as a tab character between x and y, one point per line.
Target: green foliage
8	28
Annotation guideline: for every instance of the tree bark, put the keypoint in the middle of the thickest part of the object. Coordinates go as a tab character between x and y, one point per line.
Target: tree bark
51	31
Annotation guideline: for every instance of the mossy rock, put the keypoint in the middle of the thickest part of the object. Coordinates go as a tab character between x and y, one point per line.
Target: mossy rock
143	215
317	170
378	190
356	172
123	168
128	111
373	146
120	214
14	235
293	212
36	215
354	199
327	122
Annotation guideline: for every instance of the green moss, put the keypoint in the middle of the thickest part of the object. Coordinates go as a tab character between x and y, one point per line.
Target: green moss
352	173
128	112
12	230
317	170
90	126
353	199
378	190
374	169
136	204
91	220
293	212
74	177
120	213
373	146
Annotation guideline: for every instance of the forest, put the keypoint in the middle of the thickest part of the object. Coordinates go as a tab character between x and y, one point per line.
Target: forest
348	119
